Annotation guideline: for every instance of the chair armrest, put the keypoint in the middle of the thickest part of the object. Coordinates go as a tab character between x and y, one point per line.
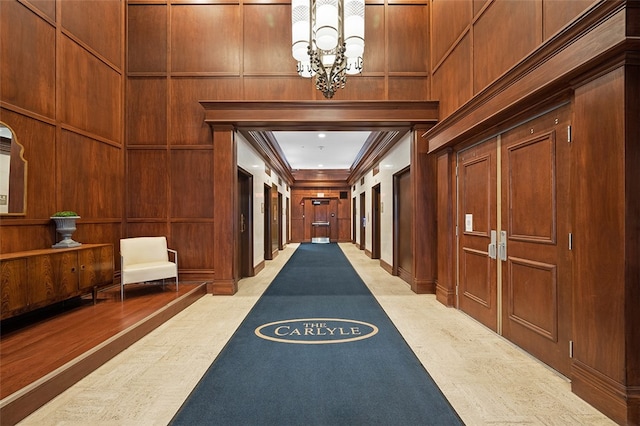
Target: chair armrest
175	256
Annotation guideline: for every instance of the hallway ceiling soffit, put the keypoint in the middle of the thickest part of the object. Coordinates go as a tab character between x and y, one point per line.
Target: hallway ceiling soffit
388	122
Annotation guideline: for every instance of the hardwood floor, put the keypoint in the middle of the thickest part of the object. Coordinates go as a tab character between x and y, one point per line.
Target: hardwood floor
47	351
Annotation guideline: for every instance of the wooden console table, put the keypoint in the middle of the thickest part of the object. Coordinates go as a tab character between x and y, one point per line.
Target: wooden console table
37	278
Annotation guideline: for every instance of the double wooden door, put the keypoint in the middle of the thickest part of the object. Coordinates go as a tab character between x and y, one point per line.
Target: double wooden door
514	271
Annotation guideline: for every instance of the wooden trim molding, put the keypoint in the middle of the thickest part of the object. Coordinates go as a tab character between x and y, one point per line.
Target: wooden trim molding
386	266
547	72
315	115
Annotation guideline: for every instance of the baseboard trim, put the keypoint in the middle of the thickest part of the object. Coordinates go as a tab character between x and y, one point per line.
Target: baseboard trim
222	287
601	391
386	267
258	268
423	286
446	296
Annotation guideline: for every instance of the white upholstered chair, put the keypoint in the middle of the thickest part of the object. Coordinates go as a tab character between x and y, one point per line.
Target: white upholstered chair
145	259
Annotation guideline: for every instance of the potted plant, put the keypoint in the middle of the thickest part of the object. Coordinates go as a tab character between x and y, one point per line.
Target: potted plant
65	226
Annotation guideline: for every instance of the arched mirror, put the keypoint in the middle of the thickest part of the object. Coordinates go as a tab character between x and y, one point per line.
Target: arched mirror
13	174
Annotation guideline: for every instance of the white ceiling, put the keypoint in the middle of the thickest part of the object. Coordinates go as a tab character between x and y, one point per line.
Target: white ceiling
309	150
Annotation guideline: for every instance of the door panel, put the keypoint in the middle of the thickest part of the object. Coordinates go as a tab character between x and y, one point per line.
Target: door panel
477	283
268	254
535	206
275	220
245	228
320	216
403	214
375	222
363	221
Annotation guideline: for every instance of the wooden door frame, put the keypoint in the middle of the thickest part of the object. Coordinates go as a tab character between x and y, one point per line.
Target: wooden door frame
266	210
280	233
225	118
395	219
354	219
375	222
362	220
248	267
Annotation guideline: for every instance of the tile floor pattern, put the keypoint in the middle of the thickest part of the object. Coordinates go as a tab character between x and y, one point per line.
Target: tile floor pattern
487	379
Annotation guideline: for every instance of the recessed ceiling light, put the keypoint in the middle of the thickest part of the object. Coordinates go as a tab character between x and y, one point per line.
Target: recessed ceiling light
320	165
321	135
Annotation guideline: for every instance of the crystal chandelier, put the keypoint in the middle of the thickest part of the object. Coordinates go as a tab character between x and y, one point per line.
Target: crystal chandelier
328	41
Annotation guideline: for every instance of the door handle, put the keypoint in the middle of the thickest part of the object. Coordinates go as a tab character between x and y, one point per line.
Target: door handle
241	222
502	246
492	246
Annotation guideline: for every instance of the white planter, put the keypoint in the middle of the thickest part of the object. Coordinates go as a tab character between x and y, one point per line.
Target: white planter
65	226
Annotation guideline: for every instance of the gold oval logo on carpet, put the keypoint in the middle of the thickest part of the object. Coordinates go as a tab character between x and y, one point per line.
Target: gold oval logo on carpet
316	331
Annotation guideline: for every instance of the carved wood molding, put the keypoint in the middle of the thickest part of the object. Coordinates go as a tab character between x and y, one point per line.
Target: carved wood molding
388	121
321	115
548	74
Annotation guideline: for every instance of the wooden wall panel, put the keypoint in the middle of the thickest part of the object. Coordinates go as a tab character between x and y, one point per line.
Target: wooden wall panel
360	87
146	111
599	261
556	14
89	170
28	62
478	5
453	18
21	237
374	39
279	88
38	140
301	226
261	29
48	7
196	251
150	229
632	242
187	115
81	20
94	108
147	38
504	34
445	233
192	175
408	38
147	188
408	88
451	86
198	43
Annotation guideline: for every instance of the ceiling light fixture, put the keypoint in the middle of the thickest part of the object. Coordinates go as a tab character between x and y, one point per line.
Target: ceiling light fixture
328	41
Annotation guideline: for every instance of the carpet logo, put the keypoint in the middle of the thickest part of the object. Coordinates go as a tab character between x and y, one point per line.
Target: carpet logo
316	331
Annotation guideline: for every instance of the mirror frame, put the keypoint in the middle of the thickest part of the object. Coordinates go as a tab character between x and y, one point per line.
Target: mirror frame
14	139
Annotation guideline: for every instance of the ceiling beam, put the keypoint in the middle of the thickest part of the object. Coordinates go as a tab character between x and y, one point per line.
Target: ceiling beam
321	115
388	121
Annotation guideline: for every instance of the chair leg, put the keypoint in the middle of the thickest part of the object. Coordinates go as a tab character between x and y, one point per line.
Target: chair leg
122	292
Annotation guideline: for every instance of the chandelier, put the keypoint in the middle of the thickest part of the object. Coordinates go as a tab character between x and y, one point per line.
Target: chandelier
328	41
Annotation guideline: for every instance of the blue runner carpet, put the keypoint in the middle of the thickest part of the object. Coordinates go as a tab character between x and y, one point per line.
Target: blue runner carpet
316	349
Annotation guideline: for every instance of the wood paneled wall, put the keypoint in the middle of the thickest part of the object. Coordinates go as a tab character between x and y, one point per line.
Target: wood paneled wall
301	214
61	91
593	65
181	53
477	41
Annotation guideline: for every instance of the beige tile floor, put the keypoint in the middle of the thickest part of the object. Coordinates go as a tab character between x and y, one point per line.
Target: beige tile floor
488	380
